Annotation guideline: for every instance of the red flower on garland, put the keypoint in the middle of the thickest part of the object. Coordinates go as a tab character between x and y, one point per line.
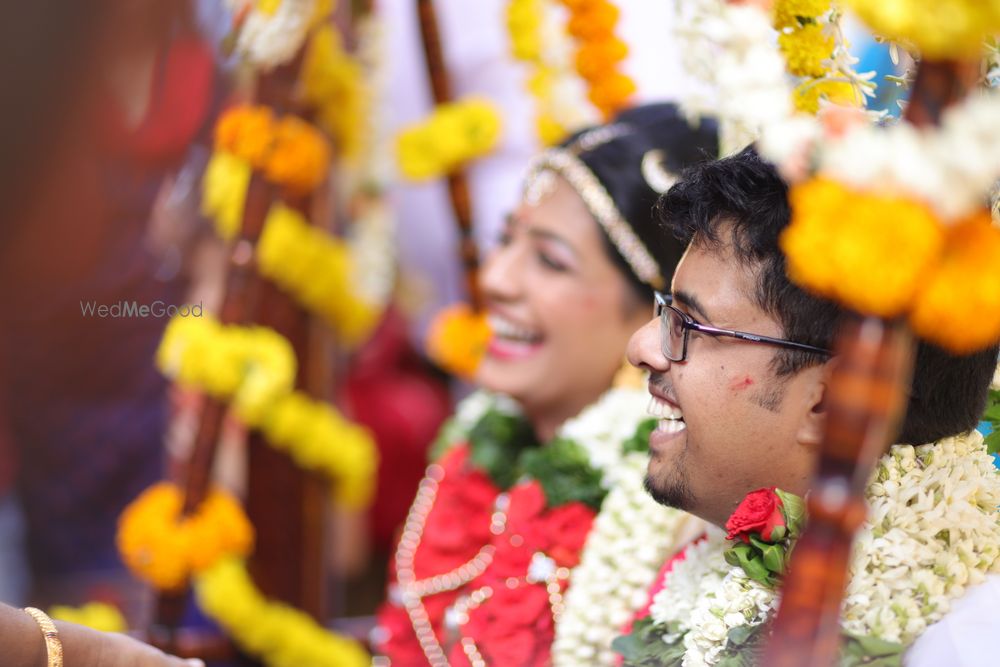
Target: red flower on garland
760	513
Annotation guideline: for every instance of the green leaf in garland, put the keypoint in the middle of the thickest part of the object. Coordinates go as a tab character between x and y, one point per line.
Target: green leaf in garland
857	650
639	442
565	474
495	443
993	442
746	643
644	646
794	510
773	556
747	557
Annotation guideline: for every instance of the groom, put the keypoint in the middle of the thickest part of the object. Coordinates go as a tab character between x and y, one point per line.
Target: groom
745	414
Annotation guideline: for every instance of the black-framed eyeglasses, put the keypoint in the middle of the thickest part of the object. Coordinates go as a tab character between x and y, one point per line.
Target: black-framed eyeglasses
675	326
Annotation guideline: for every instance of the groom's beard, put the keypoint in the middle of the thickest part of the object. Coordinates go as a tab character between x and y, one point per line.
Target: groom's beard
673	492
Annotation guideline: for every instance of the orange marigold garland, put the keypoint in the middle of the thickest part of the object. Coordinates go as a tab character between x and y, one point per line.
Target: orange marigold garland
289	151
600	53
959	305
457	339
164	549
839	245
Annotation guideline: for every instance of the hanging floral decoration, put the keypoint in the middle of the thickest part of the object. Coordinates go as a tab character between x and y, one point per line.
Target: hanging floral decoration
860	193
317	269
454	134
600	54
457	339
268	33
250	366
164	549
333	84
939	29
539	38
280	635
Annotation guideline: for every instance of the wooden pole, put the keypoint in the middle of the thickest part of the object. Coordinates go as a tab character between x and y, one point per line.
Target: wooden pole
867	398
458	185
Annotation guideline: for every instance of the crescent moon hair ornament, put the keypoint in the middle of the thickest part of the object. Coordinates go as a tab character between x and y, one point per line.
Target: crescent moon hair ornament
654	173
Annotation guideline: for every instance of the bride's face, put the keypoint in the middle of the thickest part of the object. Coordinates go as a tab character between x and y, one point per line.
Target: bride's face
561	311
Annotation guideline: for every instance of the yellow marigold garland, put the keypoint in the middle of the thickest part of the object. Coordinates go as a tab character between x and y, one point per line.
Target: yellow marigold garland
790	13
805	48
164	549
457	339
276	633
524	23
224	191
333	84
940	29
839	245
248	365
808	94
317	269
95	615
958	307
451	136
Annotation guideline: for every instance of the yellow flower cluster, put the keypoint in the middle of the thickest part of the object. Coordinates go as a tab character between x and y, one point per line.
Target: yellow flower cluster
94	615
288	151
316	269
277	634
457	339
224	191
164	549
524	22
453	135
255	367
958	307
250	365
600	53
808	94
792	13
333	84
841	245
805	48
940	29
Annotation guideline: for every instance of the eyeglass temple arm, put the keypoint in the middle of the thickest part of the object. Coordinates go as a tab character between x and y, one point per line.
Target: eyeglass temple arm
756	338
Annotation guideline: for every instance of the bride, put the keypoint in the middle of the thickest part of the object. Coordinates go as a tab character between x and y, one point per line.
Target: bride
501	561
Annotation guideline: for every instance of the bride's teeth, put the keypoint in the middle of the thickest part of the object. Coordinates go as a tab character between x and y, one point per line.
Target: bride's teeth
504	328
662	409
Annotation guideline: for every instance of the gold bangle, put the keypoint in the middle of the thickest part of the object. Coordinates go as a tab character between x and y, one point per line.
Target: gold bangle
53	646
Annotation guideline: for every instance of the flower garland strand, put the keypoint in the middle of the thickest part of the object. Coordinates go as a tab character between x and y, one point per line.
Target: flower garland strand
163	549
268	33
538	36
225	361
316	269
454	134
933	531
600	53
457	339
631	538
280	635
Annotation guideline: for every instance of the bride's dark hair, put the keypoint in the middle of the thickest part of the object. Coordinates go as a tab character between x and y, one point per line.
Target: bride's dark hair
618	164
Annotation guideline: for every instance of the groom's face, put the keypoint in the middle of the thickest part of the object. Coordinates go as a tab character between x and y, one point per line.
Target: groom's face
736	424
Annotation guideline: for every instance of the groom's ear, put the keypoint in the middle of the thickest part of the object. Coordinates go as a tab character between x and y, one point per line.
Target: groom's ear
814	409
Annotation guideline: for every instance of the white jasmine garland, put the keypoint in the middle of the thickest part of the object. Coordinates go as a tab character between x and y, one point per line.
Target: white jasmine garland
266	39
631	538
933	530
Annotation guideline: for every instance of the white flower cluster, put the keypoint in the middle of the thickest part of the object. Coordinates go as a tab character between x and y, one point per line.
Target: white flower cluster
630	540
933	530
705	598
731	48
269	39
602	427
952	167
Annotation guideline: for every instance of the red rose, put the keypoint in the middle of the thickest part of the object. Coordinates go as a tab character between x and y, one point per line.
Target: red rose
760	513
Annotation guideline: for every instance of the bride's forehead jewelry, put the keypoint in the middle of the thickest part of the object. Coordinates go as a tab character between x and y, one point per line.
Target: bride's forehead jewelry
655	173
600	204
538	186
